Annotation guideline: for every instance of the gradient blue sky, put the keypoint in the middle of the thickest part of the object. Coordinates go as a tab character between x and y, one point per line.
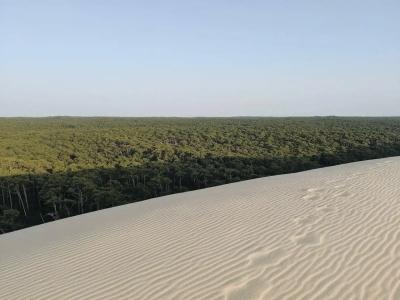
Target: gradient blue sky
199	58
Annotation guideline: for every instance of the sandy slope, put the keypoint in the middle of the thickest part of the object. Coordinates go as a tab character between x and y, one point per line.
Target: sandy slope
331	233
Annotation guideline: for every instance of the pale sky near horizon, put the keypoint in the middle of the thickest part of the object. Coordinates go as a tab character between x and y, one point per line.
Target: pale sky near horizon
199	58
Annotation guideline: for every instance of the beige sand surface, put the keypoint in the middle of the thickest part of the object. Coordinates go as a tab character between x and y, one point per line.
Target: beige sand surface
332	233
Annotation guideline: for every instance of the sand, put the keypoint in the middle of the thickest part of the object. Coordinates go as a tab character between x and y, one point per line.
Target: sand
331	233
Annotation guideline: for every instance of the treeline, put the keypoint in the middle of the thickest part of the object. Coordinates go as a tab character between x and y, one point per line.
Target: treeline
53	168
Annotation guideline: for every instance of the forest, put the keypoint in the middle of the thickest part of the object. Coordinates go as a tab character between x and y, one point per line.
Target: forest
52	168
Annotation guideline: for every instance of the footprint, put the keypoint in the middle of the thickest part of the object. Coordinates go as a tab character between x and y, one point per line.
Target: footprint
252	288
310	197
249	290
306	220
343	194
313	190
340	186
263	258
324	208
313	193
308	239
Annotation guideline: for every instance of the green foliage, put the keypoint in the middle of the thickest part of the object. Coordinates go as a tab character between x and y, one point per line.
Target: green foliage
53	168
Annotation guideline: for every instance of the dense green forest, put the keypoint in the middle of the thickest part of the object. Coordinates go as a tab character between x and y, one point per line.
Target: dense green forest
52	168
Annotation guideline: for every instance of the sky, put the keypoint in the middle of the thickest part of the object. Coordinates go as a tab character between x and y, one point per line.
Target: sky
199	58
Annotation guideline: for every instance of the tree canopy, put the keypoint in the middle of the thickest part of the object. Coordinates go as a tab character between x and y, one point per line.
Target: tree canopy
51	168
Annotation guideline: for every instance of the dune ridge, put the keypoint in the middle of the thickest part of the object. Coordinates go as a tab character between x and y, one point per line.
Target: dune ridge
331	233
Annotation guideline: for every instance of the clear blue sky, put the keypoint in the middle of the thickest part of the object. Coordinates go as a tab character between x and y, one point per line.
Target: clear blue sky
191	58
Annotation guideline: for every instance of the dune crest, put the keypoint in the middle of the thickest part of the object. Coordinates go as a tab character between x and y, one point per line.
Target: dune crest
331	233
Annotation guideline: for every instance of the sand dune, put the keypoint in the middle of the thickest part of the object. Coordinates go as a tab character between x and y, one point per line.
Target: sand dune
332	233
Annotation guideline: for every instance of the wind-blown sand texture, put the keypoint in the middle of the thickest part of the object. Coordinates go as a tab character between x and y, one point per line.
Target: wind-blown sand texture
331	233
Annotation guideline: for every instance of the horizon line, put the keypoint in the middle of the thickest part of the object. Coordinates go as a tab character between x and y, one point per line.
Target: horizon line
199	116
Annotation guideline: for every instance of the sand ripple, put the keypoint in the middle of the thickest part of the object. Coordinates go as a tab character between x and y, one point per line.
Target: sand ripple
332	233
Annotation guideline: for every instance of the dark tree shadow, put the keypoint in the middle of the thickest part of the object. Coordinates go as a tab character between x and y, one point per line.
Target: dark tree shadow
33	199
